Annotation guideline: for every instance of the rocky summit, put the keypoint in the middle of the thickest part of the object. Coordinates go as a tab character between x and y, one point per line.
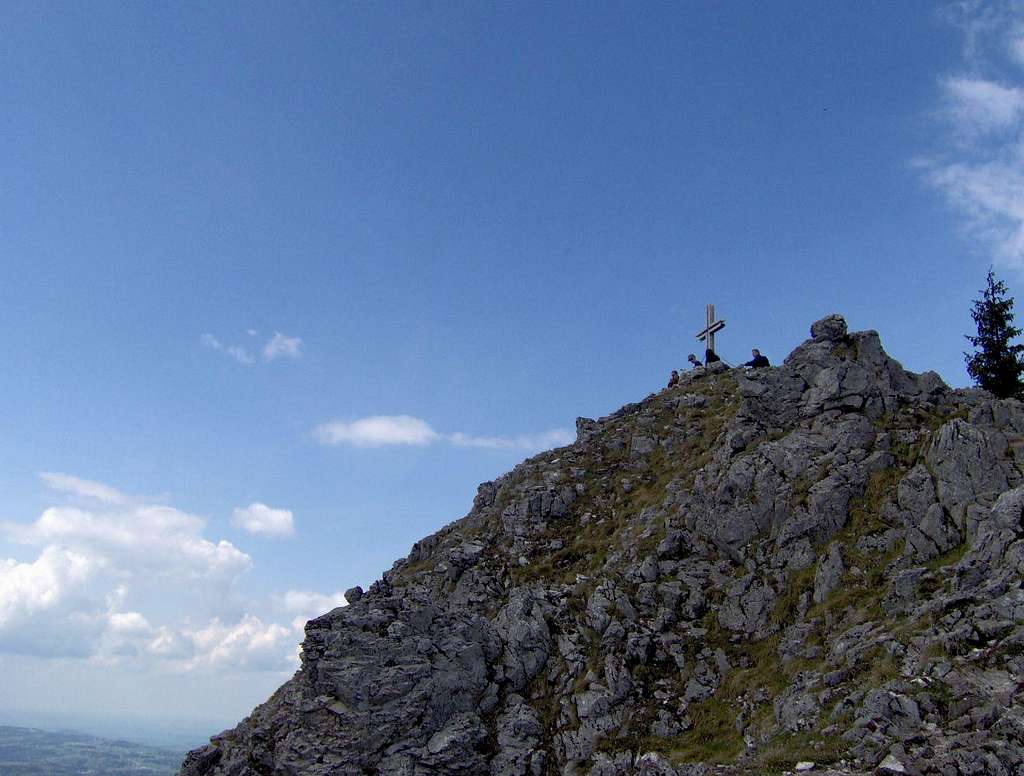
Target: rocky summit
814	568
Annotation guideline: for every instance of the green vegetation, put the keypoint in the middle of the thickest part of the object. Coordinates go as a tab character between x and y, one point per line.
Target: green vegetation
800	489
758	671
787	604
758	674
783	752
996	364
876	667
847	350
610	525
950	558
713	737
614	508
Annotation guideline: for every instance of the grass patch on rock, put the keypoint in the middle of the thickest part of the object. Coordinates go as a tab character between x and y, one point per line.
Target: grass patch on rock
713	737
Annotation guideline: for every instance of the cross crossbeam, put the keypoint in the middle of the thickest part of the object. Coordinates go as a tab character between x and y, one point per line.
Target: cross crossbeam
707	334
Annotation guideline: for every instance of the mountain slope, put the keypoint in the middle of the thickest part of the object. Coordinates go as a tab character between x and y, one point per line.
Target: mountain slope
820	561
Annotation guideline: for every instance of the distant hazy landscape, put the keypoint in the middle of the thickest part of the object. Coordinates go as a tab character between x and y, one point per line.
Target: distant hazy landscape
33	752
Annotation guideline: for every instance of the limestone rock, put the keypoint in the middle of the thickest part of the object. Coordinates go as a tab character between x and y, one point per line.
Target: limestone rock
353	594
829	573
890	766
825	557
831	327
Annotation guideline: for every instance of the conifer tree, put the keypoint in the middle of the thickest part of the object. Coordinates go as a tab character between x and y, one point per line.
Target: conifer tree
996	365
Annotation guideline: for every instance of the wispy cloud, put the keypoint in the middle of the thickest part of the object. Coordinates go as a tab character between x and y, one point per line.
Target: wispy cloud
385	430
240	354
979	165
977	105
76	486
260	519
556	437
377	431
282	346
278	346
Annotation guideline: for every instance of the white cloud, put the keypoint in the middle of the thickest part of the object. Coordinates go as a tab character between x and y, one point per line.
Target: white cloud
249	643
122	635
311	603
382	430
143	539
260	519
377	431
280	346
240	354
124	581
65	483
129	624
170	644
979	166
556	437
304	605
1015	45
991	195
94	559
980	105
29	588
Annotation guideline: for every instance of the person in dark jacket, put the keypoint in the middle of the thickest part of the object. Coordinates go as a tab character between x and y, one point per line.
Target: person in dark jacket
673	379
758	360
694	362
710	357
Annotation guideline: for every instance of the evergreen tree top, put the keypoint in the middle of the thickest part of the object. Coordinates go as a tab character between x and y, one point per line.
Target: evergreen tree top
997	363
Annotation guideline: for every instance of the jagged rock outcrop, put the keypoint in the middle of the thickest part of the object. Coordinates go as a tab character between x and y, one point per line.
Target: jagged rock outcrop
814	563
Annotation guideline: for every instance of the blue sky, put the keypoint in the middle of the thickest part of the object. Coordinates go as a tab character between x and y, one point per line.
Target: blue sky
282	285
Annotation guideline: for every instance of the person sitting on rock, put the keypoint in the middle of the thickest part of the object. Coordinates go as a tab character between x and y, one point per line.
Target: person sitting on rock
673	379
758	360
694	362
710	357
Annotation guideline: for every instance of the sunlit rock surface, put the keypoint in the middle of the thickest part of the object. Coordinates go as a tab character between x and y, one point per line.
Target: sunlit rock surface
813	563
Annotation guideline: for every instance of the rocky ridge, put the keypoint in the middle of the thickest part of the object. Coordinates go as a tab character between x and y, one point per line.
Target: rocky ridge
749	572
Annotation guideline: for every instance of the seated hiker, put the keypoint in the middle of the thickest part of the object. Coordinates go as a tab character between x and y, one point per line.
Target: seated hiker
758	360
694	362
673	379
710	357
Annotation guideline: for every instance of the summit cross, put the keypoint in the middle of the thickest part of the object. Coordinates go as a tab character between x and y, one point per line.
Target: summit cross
707	334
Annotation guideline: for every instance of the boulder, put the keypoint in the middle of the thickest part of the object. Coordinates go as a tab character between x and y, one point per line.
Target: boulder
831	327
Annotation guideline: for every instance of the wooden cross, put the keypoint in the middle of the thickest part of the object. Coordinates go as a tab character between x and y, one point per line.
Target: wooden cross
707	334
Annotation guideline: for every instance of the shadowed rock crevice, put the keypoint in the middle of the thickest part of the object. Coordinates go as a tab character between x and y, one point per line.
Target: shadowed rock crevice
815	562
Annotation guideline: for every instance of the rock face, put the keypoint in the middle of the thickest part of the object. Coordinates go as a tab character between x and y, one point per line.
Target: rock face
820	562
